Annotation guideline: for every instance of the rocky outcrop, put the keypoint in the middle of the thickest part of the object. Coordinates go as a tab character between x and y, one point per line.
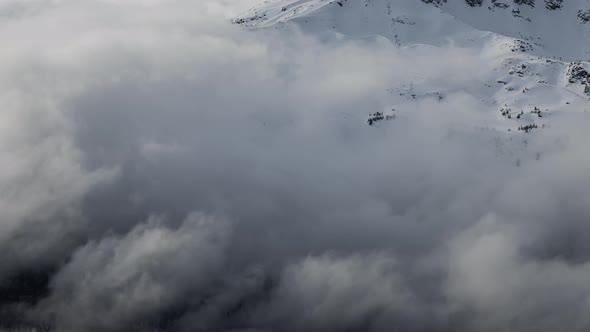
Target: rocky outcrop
553	4
474	3
525	2
516	13
528	128
435	2
379	116
549	4
499	4
521	46
577	73
247	20
584	16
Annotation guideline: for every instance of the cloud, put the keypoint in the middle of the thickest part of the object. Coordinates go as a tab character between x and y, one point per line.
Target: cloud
354	292
123	280
163	168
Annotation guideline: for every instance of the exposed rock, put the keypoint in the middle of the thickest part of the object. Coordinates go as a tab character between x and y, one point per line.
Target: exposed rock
474	3
435	2
521	46
516	13
553	4
577	73
528	128
247	20
403	20
525	2
379	116
499	4
584	15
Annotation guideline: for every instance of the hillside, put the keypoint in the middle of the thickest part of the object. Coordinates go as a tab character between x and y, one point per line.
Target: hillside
533	50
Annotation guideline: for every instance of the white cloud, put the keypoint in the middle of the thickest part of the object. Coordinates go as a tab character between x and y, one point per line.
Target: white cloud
116	111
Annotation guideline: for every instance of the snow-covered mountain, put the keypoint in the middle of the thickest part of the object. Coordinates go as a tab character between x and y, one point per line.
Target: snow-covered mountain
537	49
544	27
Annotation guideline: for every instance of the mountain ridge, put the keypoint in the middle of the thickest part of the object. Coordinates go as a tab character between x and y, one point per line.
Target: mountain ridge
556	29
535	53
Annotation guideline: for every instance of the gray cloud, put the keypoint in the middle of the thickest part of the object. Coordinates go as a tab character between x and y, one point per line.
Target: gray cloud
164	169
121	281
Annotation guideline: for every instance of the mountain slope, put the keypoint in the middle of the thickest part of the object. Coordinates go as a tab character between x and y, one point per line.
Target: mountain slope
535	49
547	28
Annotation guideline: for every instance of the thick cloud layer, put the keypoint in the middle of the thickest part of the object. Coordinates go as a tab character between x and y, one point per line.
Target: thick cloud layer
165	170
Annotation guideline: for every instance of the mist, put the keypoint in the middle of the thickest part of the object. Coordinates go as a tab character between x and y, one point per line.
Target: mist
165	170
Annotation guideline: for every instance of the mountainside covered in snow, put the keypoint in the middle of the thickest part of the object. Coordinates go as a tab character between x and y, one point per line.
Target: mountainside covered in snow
544	27
537	50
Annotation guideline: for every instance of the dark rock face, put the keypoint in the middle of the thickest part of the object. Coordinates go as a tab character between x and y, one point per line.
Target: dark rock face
578	73
521	46
525	2
435	2
549	4
528	128
584	16
553	4
379	116
500	4
516	13
247	20
474	3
